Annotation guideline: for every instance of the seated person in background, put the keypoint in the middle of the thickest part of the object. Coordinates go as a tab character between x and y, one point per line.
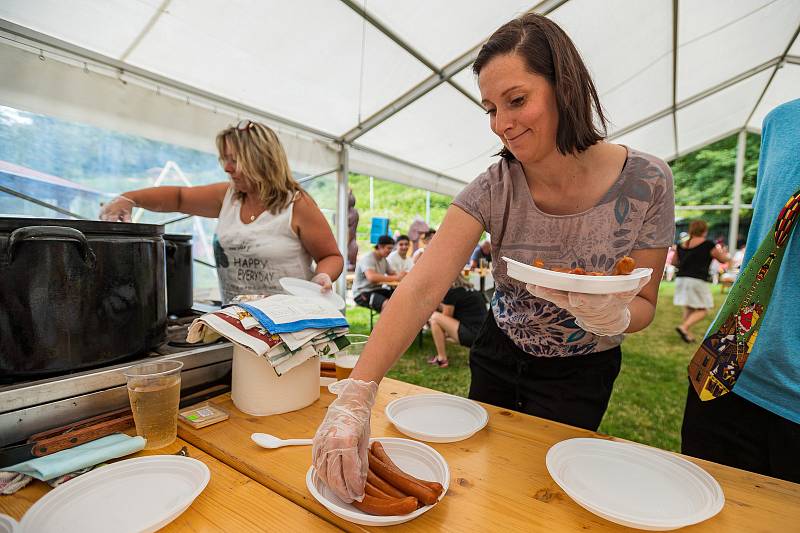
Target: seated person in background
482	251
400	260
459	317
424	241
372	271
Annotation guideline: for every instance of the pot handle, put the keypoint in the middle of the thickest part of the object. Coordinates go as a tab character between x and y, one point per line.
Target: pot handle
170	247
50	233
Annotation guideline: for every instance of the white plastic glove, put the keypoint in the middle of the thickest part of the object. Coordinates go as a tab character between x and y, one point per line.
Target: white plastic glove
117	210
340	447
324	280
601	314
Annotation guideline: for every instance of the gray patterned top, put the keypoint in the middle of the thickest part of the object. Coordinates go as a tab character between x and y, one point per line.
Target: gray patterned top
637	212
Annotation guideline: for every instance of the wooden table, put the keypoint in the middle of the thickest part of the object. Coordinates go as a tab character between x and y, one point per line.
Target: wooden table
230	502
498	477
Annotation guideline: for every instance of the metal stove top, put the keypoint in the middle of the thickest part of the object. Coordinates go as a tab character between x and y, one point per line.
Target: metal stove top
30	406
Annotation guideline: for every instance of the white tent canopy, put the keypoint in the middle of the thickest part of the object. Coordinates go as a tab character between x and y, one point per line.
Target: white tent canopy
391	79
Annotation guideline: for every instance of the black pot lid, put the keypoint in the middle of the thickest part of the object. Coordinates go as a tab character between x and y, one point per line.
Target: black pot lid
87	227
178	237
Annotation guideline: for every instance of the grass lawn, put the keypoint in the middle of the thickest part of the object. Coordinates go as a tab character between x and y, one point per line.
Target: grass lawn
649	394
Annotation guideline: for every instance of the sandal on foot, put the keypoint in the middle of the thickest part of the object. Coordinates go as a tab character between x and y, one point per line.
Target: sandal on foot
683	335
443	364
433	361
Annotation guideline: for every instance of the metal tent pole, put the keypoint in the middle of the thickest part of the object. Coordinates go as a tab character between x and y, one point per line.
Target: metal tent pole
342	197
733	232
428	207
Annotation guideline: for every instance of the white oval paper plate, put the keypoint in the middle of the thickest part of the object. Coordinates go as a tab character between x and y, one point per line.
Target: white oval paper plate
574	282
437	417
136	495
414	458
301	287
8	524
633	485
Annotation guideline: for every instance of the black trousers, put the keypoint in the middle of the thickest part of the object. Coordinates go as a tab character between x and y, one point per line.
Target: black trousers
572	390
736	432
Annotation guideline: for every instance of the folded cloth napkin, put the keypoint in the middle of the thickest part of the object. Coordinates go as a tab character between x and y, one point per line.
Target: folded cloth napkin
11	482
240	326
83	456
283	313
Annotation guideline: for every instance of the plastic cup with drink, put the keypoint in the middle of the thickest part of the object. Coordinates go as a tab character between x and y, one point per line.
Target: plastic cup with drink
347	358
154	390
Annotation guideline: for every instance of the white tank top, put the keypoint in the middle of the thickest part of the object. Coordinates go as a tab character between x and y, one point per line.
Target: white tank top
251	258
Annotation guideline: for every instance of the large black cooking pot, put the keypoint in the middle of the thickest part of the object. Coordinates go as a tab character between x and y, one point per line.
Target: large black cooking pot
180	289
76	294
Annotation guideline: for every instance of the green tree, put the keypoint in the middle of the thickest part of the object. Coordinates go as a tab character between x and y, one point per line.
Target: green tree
401	204
706	177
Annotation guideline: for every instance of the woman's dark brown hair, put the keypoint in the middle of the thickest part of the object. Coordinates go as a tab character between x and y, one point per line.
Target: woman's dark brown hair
550	53
697	228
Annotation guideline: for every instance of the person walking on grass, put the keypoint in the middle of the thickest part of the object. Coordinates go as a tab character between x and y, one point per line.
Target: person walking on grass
692	283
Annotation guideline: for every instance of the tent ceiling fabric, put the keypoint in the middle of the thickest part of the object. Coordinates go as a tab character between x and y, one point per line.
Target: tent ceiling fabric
320	64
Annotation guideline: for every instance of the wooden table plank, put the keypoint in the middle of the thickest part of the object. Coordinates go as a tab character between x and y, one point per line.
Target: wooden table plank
230	502
498	477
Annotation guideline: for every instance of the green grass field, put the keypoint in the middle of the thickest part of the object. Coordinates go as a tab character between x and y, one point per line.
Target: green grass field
649	394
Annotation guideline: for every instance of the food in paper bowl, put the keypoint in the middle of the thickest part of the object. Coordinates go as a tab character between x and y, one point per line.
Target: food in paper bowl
623	267
406	478
578	280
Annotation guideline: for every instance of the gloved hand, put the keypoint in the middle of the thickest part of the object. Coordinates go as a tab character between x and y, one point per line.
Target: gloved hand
601	314
340	447
117	210
324	280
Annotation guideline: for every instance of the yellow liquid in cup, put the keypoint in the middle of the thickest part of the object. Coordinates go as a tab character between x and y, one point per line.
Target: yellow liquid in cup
155	410
345	365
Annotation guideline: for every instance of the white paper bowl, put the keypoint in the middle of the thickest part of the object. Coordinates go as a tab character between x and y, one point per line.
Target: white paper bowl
437	417
575	282
414	458
633	485
8	524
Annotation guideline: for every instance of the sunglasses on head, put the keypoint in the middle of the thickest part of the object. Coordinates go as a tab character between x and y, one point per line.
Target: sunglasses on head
245	124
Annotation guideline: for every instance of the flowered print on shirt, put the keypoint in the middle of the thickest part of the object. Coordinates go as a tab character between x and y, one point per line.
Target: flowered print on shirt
637	212
537	325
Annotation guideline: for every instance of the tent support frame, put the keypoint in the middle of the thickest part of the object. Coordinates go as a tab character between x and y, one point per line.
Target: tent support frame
438	77
738	175
778	65
342	201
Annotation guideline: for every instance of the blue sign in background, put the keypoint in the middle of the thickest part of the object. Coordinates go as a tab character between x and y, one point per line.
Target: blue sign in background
380	226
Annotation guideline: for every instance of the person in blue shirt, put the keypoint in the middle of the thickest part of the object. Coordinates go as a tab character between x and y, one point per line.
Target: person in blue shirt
482	251
756	427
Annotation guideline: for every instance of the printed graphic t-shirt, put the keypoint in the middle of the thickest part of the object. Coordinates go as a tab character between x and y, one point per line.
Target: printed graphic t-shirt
251	258
637	212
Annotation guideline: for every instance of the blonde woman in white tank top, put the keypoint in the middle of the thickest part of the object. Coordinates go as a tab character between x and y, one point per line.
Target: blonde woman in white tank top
268	226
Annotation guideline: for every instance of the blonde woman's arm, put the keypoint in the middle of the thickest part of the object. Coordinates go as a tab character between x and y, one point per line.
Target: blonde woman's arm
315	233
203	200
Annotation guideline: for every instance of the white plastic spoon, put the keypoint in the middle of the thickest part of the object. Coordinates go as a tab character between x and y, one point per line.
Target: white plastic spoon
265	440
